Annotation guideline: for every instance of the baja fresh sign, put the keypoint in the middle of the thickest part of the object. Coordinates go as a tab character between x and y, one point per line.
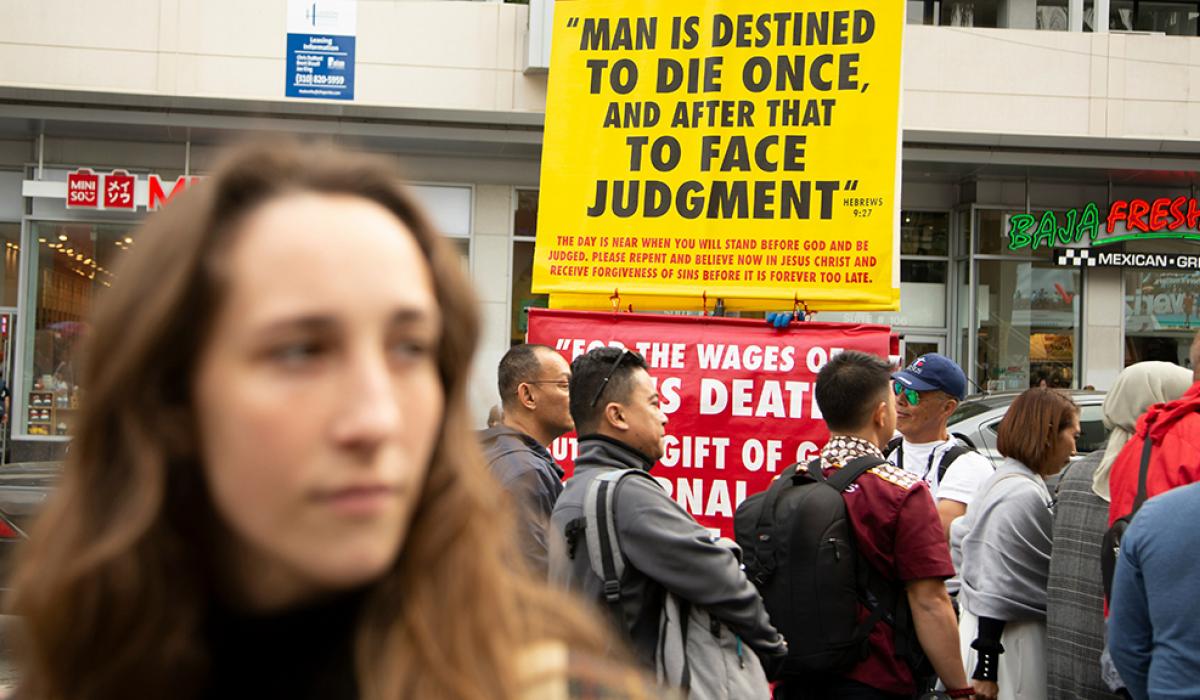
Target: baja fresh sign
1129	219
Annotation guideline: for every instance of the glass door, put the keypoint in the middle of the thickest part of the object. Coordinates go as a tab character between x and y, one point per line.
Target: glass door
1024	311
913	346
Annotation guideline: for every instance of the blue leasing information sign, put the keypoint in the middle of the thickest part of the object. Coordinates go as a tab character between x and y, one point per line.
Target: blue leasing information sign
320	49
320	66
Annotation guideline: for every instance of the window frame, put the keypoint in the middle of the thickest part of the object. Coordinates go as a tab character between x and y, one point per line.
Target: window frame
18	420
513	240
974	258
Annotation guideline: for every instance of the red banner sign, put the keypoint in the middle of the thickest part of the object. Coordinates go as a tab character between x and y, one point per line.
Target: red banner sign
738	395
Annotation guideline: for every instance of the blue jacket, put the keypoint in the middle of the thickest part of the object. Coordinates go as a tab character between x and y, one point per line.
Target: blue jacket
1154	618
530	475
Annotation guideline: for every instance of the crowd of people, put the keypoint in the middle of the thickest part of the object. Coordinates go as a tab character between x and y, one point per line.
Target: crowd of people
1000	566
275	490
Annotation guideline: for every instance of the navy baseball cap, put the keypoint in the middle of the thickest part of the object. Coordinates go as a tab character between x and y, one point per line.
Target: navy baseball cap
934	372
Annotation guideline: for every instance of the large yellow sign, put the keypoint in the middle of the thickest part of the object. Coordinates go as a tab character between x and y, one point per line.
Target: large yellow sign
737	149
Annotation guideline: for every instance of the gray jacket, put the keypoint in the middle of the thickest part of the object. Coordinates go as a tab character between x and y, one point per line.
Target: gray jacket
529	473
664	549
1001	547
1075	612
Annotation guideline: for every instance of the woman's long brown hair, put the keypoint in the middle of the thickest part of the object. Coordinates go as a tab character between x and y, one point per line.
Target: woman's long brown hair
119	570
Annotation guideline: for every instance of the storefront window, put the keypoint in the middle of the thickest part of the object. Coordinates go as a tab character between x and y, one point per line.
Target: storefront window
922	299
1166	16
522	298
969	13
524	226
1171	18
915	348
1027	326
525	216
1121	15
992	236
1162	315
68	264
923	11
1052	15
1162	307
923	235
10	234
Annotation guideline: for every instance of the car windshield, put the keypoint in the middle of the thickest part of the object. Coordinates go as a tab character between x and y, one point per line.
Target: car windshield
969	410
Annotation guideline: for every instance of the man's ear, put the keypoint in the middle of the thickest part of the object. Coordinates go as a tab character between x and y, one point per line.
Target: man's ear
949	407
879	417
525	396
614	415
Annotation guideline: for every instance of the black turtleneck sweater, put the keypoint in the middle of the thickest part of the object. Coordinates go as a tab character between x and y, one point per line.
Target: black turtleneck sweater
302	652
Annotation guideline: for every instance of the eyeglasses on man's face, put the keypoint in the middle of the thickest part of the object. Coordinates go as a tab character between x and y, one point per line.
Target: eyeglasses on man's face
562	384
912	396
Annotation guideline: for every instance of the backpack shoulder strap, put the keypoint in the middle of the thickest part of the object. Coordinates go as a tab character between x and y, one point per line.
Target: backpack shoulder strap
879	602
764	542
842	478
766	517
956	450
604	548
1143	472
896	443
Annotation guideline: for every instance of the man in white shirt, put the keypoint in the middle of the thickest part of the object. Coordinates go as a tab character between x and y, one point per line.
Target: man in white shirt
927	392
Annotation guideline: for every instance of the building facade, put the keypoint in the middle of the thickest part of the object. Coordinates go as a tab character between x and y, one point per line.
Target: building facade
1010	107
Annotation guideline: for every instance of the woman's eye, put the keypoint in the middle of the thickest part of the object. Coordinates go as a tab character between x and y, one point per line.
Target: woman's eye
410	349
297	354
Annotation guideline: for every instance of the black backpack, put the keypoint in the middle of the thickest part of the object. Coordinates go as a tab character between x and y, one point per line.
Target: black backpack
956	450
799	550
1110	545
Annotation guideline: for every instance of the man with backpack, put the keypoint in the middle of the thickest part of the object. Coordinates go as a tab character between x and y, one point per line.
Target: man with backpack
927	392
639	550
900	610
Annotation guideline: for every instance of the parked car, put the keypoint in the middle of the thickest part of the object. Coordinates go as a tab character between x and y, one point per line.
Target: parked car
977	419
23	489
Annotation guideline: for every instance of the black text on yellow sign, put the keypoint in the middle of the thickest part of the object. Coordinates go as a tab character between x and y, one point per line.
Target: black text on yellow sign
746	152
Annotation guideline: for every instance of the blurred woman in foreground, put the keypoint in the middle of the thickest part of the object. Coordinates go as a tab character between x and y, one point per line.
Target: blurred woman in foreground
274	489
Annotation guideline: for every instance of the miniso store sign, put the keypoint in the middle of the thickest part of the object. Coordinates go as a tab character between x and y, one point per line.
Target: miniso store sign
116	190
